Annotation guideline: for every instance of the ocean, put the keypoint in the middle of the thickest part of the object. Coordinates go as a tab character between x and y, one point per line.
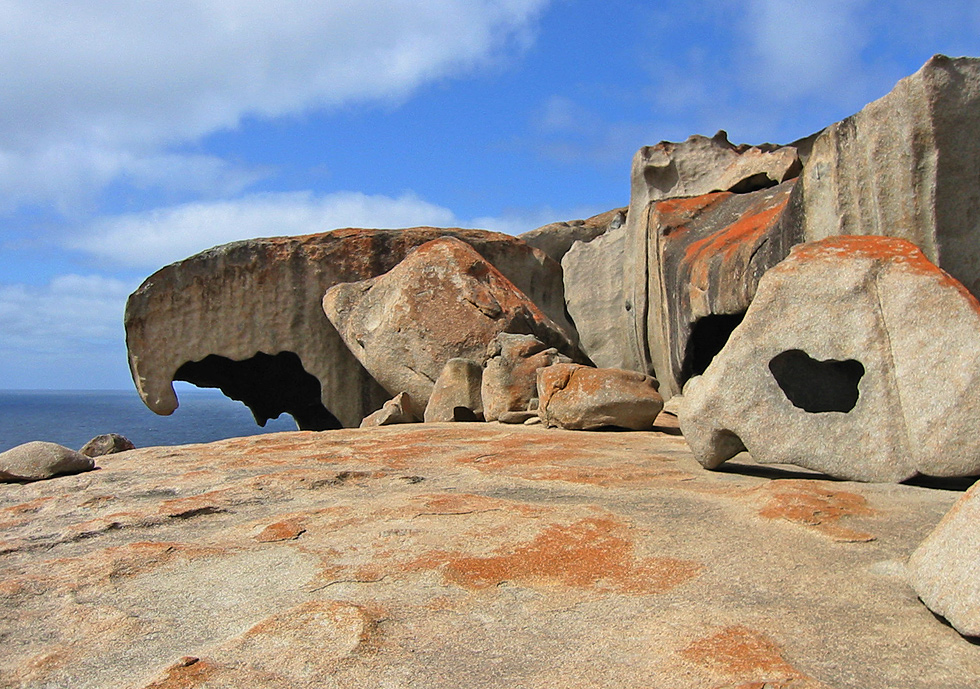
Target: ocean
73	417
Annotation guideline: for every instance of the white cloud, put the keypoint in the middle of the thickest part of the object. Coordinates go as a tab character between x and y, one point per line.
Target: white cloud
96	88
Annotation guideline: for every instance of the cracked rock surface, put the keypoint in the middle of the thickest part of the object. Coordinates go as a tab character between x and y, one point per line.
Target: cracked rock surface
476	555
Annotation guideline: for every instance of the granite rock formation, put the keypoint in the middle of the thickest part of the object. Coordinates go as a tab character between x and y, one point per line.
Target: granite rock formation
399	409
555	239
107	444
578	397
443	301
39	460
456	395
510	374
835	368
246	317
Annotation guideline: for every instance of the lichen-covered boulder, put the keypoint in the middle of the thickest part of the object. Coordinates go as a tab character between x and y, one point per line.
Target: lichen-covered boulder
246	317
39	460
584	398
944	570
456	394
858	358
511	373
443	301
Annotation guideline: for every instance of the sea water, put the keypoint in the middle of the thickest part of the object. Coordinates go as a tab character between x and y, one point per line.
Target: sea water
73	417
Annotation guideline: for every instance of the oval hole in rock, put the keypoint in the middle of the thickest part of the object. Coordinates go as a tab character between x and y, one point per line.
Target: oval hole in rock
817	386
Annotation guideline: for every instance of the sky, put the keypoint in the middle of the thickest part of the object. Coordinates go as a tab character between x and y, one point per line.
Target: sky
134	134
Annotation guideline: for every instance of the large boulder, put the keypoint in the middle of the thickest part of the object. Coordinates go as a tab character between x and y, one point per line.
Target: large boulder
907	165
443	301
38	460
857	358
945	569
246	317
511	372
584	398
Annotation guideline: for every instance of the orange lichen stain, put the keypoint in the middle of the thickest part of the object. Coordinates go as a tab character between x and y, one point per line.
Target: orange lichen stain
284	530
673	214
26	507
615	475
738	650
813	504
437	504
592	553
186	673
205	503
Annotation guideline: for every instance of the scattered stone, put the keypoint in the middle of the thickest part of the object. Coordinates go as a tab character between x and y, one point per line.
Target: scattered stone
517	416
584	398
38	460
943	569
557	238
107	444
247	318
456	394
510	375
906	166
833	368
399	409
533	421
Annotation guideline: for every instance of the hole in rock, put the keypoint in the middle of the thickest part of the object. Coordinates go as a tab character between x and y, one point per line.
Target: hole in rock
758	181
708	335
268	384
817	386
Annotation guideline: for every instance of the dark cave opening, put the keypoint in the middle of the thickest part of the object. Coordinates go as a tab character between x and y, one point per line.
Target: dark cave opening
817	386
708	335
268	384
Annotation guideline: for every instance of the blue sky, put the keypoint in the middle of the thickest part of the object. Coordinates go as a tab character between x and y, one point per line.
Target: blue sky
135	134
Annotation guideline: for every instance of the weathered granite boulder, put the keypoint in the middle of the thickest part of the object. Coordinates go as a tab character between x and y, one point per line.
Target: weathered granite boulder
555	239
691	269
38	460
906	166
456	394
246	317
510	374
857	358
944	570
399	409
107	444
584	398
443	301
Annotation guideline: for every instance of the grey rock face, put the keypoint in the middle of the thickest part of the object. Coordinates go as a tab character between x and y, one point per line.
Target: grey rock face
906	166
943	570
107	444
510	375
555	239
835	369
399	409
247	317
443	301
456	389
38	460
583	398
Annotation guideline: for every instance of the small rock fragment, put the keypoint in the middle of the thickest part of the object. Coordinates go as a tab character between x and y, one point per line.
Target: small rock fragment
517	416
107	444
399	409
40	460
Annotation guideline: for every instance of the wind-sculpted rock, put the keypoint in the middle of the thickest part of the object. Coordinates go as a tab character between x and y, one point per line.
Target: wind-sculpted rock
584	398
456	394
246	317
510	374
906	166
943	569
444	301
555	239
107	444
399	409
38	460
834	368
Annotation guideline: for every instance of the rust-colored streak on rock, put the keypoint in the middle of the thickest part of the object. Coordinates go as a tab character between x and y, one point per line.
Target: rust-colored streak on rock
675	213
186	673
285	530
739	651
813	504
591	553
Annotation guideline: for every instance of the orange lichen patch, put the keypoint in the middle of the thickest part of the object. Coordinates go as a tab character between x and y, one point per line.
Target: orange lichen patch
740	651
814	504
284	530
205	503
461	503
110	522
31	507
186	673
593	553
613	475
673	214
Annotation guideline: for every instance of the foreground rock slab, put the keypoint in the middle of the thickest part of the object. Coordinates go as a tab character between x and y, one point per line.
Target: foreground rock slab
39	460
835	369
944	569
476	555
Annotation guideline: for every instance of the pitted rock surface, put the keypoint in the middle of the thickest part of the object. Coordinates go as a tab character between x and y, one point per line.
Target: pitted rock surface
477	555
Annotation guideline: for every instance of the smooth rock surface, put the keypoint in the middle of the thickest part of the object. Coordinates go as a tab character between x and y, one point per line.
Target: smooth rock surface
945	569
555	239
857	358
906	166
444	301
456	389
39	460
107	444
399	409
250	314
473	555
510	376
578	397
